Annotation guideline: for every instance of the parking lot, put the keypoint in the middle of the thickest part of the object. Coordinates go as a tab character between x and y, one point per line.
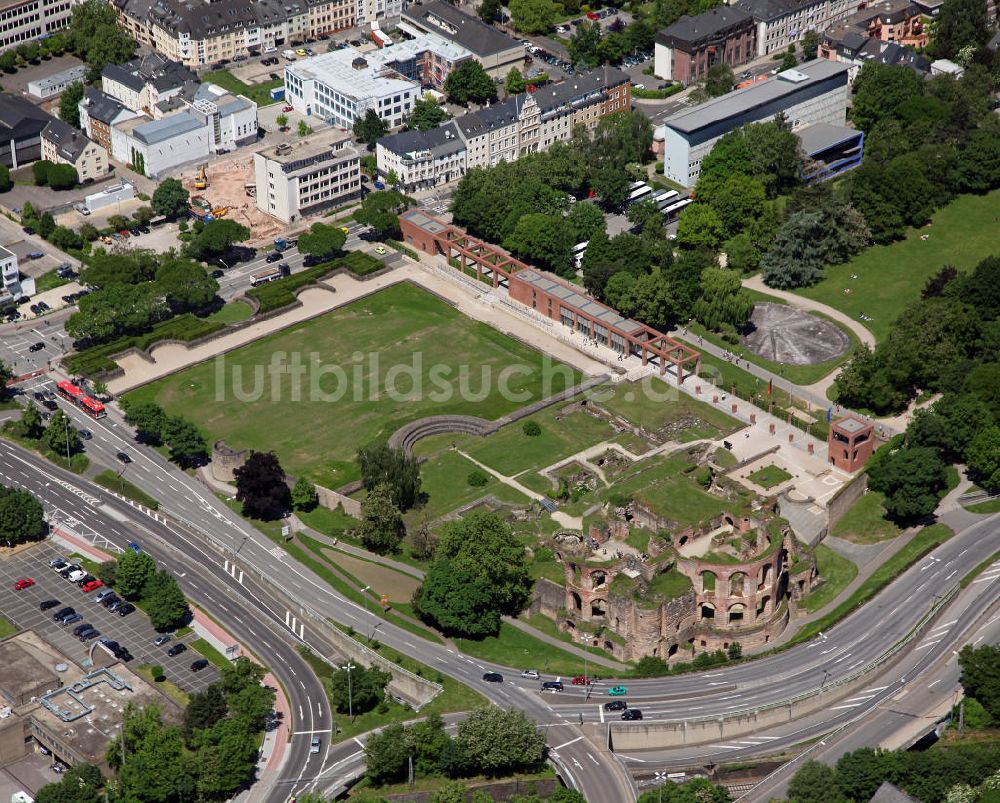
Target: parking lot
133	632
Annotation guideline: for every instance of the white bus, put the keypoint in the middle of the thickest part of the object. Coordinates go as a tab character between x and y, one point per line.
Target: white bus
636	185
667	198
640	194
578	251
675	209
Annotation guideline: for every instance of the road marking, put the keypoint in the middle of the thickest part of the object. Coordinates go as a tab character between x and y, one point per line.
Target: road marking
862	697
877	688
935	683
928	644
726	746
838	707
600	710
359	742
307	733
598	763
566	744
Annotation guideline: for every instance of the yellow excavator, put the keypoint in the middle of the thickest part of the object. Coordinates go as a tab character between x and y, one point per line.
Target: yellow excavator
201	180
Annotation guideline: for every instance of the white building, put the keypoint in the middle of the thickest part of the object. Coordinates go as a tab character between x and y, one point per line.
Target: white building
14	287
27	20
781	23
56	84
294	181
814	92
423	159
343	85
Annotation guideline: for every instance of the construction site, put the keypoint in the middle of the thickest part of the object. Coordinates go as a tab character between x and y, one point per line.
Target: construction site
225	188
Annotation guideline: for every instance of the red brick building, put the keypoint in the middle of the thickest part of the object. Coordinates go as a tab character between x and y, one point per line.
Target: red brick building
687	49
850	443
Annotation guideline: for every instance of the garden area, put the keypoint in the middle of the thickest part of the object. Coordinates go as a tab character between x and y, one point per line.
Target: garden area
258	93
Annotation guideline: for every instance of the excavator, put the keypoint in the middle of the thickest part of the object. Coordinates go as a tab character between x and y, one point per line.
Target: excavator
201	180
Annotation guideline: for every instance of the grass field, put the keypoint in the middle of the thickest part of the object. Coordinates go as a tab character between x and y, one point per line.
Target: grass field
113	482
400	339
891	276
209	652
865	522
647	408
837	573
992	506
516	648
6	628
233	312
258	93
398	587
769	476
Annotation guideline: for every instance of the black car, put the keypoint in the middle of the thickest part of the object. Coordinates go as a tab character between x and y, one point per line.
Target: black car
177	649
274	256
493	677
122	654
123	457
111	644
85	434
65	573
218	274
134	232
36	347
27	230
631	713
144	229
126	609
198	665
109	600
49	603
87	635
87	578
39	396
616	705
81	628
552	685
50	405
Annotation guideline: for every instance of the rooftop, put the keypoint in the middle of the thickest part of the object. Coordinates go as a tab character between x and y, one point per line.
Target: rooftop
850	424
571	295
708	24
765	10
439	141
351	73
76	73
326	141
820	136
406	49
469	32
760	94
166	128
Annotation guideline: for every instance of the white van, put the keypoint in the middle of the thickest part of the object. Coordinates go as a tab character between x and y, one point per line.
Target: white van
74	576
270	49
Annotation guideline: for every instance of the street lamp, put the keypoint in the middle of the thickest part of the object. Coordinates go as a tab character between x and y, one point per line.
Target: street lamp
364	596
350	693
660	778
372	634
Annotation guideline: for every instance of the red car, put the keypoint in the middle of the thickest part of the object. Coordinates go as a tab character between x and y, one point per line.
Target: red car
593	16
287	109
24	583
581	680
88	587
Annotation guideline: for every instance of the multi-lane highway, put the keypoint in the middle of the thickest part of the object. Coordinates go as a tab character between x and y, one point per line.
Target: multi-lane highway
805	669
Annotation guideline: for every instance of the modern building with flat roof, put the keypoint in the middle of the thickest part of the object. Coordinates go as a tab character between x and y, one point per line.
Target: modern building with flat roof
493	49
687	49
342	85
318	173
814	92
27	20
829	150
56	84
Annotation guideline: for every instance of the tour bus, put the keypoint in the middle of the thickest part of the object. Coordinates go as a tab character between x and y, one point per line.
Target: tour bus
666	198
269	275
675	209
640	193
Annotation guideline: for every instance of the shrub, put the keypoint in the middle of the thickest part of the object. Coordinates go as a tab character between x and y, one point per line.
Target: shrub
477	479
532	429
157	672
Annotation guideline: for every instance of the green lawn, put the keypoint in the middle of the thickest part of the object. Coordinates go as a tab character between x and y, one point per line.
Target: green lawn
444	478
891	276
258	93
449	364
113	482
837	573
516	648
209	652
48	280
769	476
992	506
6	628
650	410
865	522
233	312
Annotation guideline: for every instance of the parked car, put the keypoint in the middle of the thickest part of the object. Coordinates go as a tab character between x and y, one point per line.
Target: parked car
80	628
35	255
70	618
198	665
161	639
493	677
286	108
67	570
109	601
93	585
87	635
616	705
76	575
617	691
87	578
49	603
50	405
125	609
631	714
217	274
177	649
103	595
530	674
23	583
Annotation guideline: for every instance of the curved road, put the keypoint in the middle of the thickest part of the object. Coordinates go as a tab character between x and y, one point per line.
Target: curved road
801	670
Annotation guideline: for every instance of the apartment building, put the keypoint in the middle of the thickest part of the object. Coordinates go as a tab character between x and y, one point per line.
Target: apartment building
99	112
504	132
63	144
494	50
26	20
196	33
898	22
301	180
854	49
142	84
814	92
686	50
781	23
14	286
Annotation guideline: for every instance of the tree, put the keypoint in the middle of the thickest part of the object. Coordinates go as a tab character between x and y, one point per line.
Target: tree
187	445
370	128
723	300
809	240
22	518
226	759
5	180
204	709
69	109
95	36
304	496
81	784
655	302
619	292
165	602
364	691
697	790
156	761
699	226
960	23
61	436
585	44
912	481
386	754
810	45
260	486
134	571
381	527
149	420
186	285
381	211
282	121
983	458
322	240
610	183
981	676
514	84
645	215
143	215
456	602
737	201
170	199
40	172
381	464
584	221
107	572
788	61
116	310
31	426
545	241
427	114
489	11
495	742
215	238
879	90
532	16
469	82
719	79
814	783
65	238
304	129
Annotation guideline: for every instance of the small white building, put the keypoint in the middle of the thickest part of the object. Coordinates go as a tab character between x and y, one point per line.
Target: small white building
946	67
14	287
63	144
53	85
109	196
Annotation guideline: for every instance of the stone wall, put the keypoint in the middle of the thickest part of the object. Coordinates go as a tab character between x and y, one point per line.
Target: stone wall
845	497
333	499
226	460
548	598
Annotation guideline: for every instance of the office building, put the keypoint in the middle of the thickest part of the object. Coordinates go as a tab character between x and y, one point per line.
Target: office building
63	144
27	20
686	50
495	51
295	181
56	84
14	286
814	92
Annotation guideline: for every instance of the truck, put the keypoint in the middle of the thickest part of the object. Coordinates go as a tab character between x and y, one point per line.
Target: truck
279	271
288	54
280	244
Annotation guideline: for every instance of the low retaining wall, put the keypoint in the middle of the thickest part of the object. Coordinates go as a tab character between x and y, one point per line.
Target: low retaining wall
844	499
331	499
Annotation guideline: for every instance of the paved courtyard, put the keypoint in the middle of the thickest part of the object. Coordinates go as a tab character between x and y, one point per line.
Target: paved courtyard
785	334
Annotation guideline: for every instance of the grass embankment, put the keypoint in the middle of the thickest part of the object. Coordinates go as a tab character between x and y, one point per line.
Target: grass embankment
992	506
513	647
113	482
78	463
925	541
890	277
865	521
208	651
837	573
233	312
421	357
258	93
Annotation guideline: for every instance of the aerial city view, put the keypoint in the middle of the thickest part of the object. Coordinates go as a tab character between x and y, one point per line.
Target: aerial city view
467	401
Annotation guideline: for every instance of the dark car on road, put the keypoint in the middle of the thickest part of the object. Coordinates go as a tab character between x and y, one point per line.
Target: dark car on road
631	713
552	685
274	256
123	457
616	705
36	347
493	677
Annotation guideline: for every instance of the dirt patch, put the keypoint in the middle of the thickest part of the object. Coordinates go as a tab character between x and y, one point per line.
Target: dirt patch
782	333
398	586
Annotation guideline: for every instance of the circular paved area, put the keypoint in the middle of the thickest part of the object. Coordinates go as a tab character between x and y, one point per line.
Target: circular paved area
782	333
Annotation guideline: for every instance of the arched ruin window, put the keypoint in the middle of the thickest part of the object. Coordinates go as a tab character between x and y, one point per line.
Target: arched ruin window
765	574
597	580
708	582
672	651
736	614
598	607
736	584
577	602
707	611
762	605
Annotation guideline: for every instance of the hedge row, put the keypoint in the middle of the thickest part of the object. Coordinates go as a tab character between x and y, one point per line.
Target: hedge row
281	293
